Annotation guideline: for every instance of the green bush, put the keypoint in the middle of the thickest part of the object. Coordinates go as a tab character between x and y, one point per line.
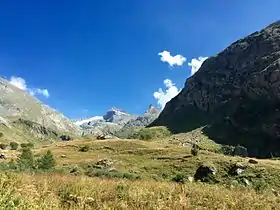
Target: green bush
26	159
180	178
47	161
151	133
27	145
1	135
84	148
228	150
3	146
14	145
113	174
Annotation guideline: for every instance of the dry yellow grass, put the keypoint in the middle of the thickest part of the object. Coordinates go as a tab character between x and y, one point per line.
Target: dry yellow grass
64	191
56	191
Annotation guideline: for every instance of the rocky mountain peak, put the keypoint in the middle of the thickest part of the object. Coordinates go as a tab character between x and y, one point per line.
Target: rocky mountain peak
115	114
152	110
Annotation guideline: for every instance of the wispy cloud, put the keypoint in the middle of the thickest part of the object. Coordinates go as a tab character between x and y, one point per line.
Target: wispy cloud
162	96
178	60
22	84
196	64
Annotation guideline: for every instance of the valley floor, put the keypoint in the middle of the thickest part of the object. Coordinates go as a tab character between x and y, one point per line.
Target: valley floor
134	174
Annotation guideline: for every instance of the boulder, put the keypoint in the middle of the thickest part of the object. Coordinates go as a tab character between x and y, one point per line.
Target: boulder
205	173
65	138
103	163
252	161
100	137
237	169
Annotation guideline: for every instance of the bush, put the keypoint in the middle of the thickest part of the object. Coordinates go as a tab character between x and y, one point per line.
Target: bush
47	161
228	150
84	148
26	159
151	133
27	145
180	178
240	151
1	135
14	145
3	146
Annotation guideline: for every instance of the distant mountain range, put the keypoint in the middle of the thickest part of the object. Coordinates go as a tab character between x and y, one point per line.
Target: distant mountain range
115	120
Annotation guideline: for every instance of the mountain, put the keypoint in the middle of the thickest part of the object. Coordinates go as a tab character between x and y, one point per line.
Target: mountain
115	120
234	96
143	120
24	117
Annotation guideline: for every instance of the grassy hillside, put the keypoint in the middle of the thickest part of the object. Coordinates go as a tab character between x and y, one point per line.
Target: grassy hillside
134	174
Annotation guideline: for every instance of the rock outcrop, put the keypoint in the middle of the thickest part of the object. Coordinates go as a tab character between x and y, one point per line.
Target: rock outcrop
235	95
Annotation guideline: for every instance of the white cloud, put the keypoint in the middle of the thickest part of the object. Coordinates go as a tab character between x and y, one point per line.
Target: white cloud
18	82
178	60
43	92
196	64
21	84
163	97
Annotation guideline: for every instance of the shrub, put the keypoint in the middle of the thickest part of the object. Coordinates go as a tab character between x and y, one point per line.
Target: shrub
47	161
27	145
14	145
180	178
84	148
26	159
1	135
194	150
228	150
3	146
23	145
240	151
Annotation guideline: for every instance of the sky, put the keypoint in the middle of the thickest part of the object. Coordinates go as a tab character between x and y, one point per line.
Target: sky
83	57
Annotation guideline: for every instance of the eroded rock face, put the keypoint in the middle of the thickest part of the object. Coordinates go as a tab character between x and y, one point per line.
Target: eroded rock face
235	94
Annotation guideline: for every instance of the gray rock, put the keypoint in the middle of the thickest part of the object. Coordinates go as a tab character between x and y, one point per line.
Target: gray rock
205	173
252	161
104	163
246	181
237	169
190	178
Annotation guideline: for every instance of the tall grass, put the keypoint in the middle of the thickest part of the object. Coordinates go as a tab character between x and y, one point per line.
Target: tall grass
56	191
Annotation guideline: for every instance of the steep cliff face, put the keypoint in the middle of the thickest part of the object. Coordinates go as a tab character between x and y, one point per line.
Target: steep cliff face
235	95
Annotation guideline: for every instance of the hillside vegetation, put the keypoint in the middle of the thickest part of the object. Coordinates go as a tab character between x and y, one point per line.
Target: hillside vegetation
135	174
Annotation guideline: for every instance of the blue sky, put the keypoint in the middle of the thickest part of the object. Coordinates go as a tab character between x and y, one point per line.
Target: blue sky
92	55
